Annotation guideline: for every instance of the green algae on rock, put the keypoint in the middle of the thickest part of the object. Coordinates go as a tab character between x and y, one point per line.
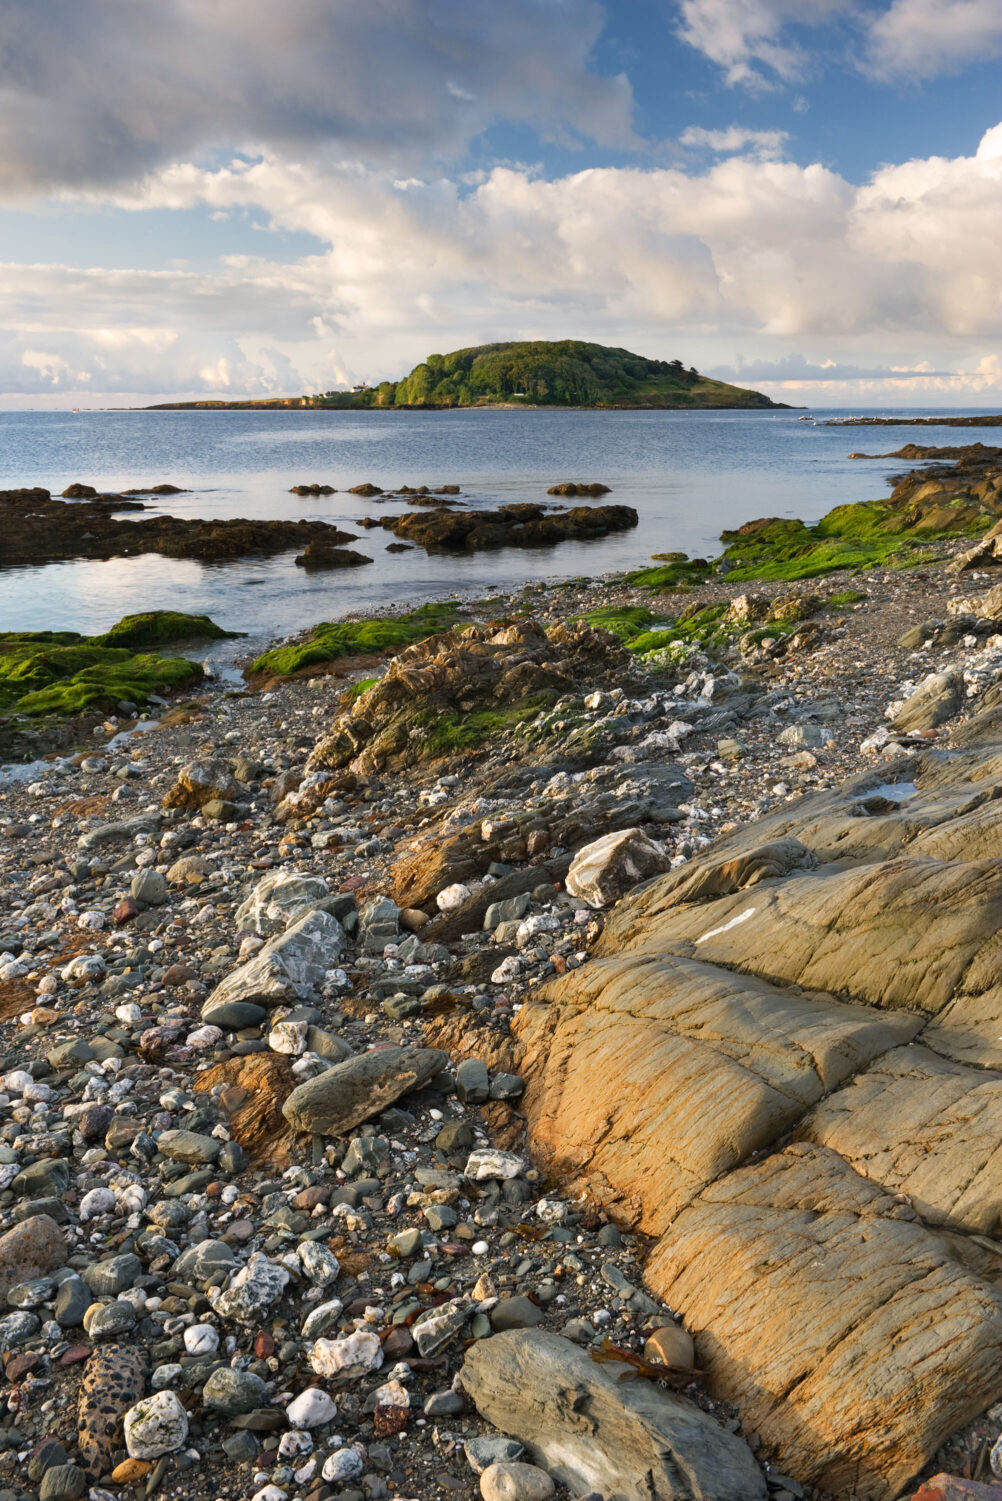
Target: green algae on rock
63	673
158	627
333	639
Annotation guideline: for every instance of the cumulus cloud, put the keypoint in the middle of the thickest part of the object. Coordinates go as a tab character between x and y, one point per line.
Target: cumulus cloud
95	92
923	38
901	271
734	139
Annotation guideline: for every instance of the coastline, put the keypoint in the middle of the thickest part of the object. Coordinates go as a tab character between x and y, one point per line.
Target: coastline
732	726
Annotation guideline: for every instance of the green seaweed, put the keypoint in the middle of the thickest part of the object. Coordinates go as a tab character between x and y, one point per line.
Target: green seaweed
865	534
158	627
844	597
104	684
625	621
667	576
332	639
62	672
357	689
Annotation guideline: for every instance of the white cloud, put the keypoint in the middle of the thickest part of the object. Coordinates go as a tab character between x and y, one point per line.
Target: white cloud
917	39
99	91
734	140
750	39
778	261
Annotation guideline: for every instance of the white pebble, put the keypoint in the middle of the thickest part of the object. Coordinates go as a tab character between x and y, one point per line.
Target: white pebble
201	1339
311	1408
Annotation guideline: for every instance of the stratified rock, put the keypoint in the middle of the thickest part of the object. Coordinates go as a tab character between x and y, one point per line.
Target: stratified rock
934	701
822	1312
449	679
290	967
607	869
359	1088
596	1433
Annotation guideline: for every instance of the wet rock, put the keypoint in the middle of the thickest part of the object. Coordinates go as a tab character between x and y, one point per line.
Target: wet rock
604	871
638	1439
352	1092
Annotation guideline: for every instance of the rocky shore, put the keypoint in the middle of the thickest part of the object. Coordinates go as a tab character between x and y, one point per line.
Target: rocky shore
527	1048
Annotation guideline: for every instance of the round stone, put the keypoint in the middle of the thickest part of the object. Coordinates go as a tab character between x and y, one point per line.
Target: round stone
234	1392
515	1482
671	1345
311	1408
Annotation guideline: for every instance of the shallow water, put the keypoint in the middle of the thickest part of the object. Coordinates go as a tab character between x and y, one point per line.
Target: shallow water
689	474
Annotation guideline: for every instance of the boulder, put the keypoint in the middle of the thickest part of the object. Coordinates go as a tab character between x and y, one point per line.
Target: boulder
30	1249
290	967
594	1432
359	1088
605	870
278	899
202	782
784	1060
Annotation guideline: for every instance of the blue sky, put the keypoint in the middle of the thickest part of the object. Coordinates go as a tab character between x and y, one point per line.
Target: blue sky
805	195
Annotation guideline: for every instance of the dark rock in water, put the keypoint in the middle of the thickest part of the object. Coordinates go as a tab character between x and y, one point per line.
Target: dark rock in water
523	525
37	528
399	547
317	556
572	487
313	489
156	490
366	489
79	492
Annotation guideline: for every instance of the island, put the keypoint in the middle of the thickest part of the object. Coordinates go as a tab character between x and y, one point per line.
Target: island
533	373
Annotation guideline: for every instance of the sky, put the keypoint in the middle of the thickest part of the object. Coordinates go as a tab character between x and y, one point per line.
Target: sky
219	198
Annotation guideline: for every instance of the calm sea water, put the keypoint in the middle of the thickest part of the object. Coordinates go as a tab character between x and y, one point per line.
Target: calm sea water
689	474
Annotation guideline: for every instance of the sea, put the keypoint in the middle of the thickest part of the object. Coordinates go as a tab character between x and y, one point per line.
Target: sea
689	474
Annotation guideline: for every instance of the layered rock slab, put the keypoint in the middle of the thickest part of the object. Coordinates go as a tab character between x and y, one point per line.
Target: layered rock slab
849	1337
707	1068
853	1316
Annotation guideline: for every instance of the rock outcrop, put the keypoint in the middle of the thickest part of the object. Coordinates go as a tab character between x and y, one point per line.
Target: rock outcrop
785	1061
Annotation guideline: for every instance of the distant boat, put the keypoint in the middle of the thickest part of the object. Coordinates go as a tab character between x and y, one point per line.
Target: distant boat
74	409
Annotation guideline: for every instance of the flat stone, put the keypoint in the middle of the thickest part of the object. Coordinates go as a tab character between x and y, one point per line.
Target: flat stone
359	1088
637	1441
